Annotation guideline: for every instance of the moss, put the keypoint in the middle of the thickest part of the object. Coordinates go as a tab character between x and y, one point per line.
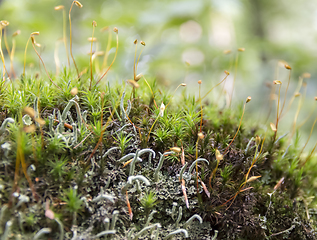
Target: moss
85	185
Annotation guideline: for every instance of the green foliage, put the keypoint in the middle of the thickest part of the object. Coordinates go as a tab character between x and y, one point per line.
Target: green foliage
225	173
58	166
149	200
73	202
123	141
56	144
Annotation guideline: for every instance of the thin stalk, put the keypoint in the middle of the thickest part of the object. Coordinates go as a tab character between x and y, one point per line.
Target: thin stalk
105	59
43	64
2	57
56	58
311	131
94	24
148	136
310	114
137	63
116	31
227	149
289	79
7	46
295	117
293	97
183	85
25	50
12	72
234	77
65	37
134	67
70	38
227	74
309	156
277	110
151	91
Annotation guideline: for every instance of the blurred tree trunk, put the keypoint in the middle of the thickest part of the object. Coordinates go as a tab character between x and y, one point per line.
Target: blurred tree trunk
256	8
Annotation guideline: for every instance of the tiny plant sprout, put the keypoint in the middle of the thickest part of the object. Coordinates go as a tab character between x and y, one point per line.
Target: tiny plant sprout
253	178
175	149
226	51
92	39
199	82
78	4
200	135
26	47
306	75
133	83
277	82
219	157
59	7
135	65
162	108
74	91
287	67
241	49
4	23
273	127
257	140
138	77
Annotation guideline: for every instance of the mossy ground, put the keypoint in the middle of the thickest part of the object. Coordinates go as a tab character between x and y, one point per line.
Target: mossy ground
62	162
65	169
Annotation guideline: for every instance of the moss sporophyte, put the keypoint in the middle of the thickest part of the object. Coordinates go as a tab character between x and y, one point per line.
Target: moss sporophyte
129	160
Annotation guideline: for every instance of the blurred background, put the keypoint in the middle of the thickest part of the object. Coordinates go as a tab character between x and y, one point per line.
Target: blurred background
186	41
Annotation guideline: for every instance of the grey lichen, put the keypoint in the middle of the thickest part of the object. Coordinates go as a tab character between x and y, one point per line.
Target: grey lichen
177	232
160	164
